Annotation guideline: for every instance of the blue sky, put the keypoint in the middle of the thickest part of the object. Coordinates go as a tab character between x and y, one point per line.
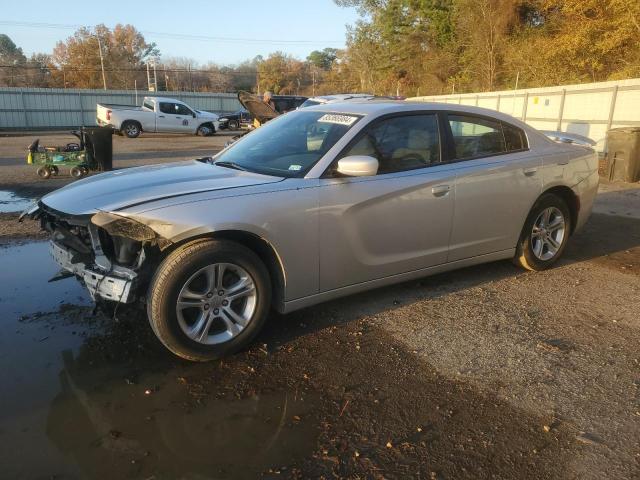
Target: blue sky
317	23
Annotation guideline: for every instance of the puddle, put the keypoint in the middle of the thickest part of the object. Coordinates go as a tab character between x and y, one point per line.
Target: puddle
73	401
10	202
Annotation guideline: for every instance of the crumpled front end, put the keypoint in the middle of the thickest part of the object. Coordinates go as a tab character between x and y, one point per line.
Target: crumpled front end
109	253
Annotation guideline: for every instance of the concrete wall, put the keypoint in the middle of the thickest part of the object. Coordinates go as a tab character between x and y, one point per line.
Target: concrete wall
49	108
586	109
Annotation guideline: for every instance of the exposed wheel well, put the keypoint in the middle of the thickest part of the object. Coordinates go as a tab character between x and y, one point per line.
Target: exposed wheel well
572	200
260	247
131	121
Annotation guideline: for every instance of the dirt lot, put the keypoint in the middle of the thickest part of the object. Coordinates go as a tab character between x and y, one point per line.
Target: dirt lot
487	372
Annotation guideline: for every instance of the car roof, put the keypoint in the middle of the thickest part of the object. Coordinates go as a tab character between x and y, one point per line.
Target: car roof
340	96
383	107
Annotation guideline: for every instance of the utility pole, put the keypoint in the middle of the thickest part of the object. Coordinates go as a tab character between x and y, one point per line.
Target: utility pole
148	78
104	79
155	76
313	75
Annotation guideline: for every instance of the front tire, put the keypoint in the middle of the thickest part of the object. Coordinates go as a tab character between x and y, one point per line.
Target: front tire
545	233
208	299
205	130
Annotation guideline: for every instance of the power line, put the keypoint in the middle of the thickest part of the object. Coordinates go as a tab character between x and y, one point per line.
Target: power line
179	36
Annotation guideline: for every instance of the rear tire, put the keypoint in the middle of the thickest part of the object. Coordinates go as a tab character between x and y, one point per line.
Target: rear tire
200	314
43	172
545	234
233	125
131	129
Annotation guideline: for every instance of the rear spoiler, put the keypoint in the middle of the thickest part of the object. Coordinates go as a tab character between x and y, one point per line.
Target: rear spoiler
566	137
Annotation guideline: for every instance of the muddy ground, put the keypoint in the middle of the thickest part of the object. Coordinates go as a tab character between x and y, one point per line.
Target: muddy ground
486	372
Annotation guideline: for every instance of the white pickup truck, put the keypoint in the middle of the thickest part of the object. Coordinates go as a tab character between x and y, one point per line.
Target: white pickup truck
161	115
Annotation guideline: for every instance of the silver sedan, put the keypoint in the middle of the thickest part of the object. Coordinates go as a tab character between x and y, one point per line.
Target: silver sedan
316	204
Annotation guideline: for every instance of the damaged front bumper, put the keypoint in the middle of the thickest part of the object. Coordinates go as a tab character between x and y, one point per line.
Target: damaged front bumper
108	286
109	253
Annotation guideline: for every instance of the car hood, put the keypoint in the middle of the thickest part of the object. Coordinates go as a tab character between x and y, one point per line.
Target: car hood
120	189
211	115
257	107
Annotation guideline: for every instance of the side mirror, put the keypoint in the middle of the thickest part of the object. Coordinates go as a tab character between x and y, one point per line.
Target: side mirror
358	166
193	115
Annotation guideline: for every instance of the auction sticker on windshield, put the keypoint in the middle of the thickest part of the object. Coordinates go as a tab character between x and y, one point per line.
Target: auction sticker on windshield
339	119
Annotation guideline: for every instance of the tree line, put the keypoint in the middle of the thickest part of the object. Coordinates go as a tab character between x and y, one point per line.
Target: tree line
398	47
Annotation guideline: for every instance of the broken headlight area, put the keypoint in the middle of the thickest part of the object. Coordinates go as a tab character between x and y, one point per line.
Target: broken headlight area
109	253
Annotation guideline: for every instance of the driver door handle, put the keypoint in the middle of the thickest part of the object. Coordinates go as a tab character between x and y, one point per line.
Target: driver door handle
440	190
530	171
160	116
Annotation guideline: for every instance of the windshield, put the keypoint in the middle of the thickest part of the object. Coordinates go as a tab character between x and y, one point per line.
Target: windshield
289	145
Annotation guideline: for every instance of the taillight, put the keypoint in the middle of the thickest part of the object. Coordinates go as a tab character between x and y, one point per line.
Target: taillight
108	114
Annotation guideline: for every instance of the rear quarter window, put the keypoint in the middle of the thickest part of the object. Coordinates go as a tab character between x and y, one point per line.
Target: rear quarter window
477	136
515	139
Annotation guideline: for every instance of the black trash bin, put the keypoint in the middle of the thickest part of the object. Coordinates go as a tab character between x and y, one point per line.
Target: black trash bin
99	144
623	154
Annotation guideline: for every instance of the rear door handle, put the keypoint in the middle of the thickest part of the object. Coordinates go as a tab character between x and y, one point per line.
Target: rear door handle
529	171
440	190
160	116
564	162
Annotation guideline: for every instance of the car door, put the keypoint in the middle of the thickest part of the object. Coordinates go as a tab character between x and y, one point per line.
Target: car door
186	118
497	181
396	221
172	118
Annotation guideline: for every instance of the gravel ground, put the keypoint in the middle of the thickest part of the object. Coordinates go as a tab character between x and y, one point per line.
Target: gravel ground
485	372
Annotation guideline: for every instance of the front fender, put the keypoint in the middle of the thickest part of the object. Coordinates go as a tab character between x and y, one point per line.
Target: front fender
286	219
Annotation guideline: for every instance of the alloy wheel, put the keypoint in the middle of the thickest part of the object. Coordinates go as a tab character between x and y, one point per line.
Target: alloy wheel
548	233
216	303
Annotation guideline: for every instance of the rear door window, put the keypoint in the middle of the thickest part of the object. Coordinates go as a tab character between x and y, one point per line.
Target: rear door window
476	136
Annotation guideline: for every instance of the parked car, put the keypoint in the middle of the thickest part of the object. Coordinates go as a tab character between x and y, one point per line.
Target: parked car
287	103
316	204
344	97
157	115
236	120
244	118
339	97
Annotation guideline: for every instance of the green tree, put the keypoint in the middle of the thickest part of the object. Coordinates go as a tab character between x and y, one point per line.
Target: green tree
323	59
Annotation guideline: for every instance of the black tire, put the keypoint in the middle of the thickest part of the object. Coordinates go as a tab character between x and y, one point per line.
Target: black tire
43	172
206	130
175	271
525	251
233	125
131	129
76	172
